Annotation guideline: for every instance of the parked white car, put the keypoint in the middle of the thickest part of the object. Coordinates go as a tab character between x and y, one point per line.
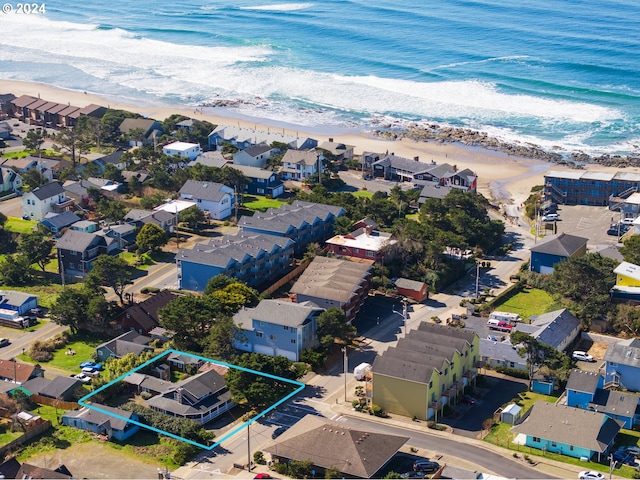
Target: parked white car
582	356
82	377
550	217
591	475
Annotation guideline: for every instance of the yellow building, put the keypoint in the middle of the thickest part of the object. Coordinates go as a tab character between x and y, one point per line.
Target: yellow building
426	370
627	275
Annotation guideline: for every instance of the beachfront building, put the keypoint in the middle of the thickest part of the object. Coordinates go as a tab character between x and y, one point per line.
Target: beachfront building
331	282
302	222
338	150
301	164
215	198
255	156
182	149
253	258
276	327
579	187
243	138
140	131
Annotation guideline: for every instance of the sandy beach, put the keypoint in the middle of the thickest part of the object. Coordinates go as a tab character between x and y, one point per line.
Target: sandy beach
501	177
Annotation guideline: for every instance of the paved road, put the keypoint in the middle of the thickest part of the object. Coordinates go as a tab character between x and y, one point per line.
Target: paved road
21	340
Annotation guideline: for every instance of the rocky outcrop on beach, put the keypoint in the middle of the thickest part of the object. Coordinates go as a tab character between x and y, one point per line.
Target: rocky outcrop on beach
474	138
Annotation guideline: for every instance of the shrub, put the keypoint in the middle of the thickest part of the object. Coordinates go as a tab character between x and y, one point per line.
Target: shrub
41	356
146	395
258	457
513	372
377	410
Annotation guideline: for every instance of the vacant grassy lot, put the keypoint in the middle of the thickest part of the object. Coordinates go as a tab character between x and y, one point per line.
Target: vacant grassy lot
530	301
18	225
363	193
47	294
84	345
256	202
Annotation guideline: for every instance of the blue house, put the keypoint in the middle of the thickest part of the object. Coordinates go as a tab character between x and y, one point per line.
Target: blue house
566	430
114	425
14	304
250	257
622	365
581	387
55	222
261	181
276	327
302	222
554	250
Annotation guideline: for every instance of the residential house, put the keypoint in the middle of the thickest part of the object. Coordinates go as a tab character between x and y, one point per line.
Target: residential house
254	156
27	471
140	175
161	218
622	365
338	150
59	388
261	181
67	116
114	159
331	282
6	107
21	106
365	242
427	369
585	390
56	222
18	372
201	397
581	187
627	285
246	137
186	124
140	383
183	149
215	198
123	235
302	222
118	347
86	226
105	185
276	327
555	249
10	181
577	433
21	165
143	317
13	303
558	329
250	257
148	128
501	353
77	251
418	291
184	362
301	164
48	198
352	452
5	131
214	158
103	420
77	190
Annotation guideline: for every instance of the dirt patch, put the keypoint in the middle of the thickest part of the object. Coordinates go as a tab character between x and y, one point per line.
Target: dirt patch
598	349
95	460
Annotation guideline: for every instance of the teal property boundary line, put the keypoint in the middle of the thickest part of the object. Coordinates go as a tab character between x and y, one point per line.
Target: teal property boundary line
83	401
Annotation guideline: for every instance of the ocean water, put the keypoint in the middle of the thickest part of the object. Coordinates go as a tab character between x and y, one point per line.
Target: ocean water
557	73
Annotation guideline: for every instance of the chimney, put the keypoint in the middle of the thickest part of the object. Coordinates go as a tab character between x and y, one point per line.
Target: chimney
179	395
416	158
331	139
455	168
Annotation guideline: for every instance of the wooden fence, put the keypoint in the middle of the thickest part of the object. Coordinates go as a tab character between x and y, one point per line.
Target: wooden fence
43	426
292	274
52	402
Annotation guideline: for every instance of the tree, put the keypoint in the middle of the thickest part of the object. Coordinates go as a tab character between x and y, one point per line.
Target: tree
70	309
151	237
36	247
332	325
190	317
70	140
111	272
540	355
192	216
626	319
219	282
111	209
33	140
113	173
631	250
32	178
15	270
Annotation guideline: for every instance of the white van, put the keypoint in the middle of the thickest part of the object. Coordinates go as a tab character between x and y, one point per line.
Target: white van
511	318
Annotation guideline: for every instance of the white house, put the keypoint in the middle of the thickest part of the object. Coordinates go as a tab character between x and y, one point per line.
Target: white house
300	164
215	198
10	181
243	137
48	198
255	156
183	149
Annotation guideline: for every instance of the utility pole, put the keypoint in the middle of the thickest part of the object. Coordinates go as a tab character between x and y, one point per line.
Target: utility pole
477	279
248	448
344	351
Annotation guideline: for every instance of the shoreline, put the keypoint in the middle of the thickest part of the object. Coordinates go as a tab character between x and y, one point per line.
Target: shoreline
503	176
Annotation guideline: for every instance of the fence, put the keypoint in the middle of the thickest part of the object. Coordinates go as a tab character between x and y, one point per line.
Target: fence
52	402
32	433
292	274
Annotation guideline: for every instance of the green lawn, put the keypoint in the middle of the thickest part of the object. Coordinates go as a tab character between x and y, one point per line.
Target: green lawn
84	345
363	193
260	203
531	301
26	153
18	225
142	262
47	294
6	435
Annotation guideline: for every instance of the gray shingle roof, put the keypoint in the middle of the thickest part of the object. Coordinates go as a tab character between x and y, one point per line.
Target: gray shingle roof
14	298
448	332
571	426
615	403
583	381
210	191
57	387
276	312
554	327
77	241
562	245
623	354
98	418
49	190
353	452
304	157
404	369
61	220
504	352
257	150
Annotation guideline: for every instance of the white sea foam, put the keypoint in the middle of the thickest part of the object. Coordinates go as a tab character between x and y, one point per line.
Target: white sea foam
279	7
